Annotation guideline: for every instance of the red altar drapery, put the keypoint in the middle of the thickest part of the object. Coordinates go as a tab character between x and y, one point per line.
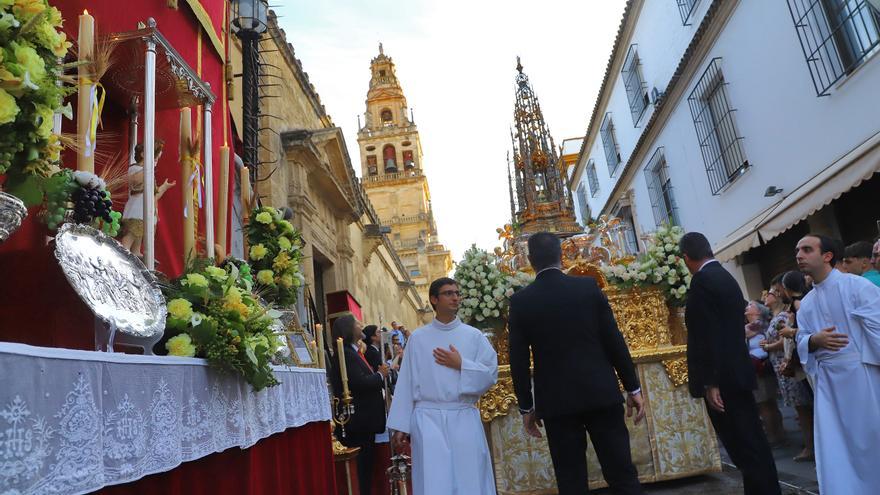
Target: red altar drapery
298	461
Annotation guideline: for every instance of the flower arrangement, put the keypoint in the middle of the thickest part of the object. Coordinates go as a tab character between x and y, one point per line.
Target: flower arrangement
85	195
662	265
276	251
212	313
31	45
485	289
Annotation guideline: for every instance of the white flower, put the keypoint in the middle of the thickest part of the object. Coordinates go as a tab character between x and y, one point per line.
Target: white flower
509	292
491	304
487	311
496	314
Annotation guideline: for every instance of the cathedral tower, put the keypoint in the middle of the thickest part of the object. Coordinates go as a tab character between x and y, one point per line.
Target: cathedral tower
542	201
393	178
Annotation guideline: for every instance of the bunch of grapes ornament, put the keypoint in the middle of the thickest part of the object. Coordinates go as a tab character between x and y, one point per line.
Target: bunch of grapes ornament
133	214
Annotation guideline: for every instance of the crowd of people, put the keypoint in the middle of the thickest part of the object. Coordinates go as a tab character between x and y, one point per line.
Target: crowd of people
812	339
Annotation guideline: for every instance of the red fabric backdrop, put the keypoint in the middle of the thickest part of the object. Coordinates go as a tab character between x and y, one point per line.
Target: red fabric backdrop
36	304
298	461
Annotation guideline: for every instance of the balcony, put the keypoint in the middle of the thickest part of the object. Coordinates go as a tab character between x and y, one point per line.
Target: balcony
376	179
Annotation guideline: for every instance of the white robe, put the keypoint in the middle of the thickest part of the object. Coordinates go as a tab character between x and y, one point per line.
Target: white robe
846	383
436	405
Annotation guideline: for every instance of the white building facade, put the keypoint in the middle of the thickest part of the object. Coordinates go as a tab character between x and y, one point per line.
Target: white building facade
752	121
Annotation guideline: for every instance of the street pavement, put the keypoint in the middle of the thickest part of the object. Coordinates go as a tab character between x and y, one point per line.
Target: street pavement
796	478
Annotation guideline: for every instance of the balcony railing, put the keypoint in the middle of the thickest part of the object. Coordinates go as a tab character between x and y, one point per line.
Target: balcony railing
407	174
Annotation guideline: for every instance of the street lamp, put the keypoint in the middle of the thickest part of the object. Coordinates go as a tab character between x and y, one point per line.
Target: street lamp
249	22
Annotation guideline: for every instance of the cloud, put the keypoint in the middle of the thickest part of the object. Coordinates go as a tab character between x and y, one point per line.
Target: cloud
456	62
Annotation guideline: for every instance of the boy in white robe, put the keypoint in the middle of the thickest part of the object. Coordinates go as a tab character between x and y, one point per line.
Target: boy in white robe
839	346
446	368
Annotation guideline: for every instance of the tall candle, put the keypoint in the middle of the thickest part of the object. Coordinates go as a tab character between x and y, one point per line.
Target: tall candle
85	159
319	336
245	205
343	372
186	170
223	207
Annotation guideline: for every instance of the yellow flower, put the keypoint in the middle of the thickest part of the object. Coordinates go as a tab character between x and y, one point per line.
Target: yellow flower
258	252
216	273
180	309
284	243
53	148
195	280
45	121
31	61
180	345
281	262
286	280
264	217
8	108
54	17
265	277
26	9
233	296
52	39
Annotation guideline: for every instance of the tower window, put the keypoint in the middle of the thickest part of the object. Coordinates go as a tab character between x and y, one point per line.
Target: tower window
382	72
408	162
389	158
387	118
372	169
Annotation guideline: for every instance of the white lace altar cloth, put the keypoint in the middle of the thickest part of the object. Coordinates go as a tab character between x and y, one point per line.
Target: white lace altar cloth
74	421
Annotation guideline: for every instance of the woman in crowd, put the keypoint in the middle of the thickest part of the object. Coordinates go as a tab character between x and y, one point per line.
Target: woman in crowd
779	345
758	317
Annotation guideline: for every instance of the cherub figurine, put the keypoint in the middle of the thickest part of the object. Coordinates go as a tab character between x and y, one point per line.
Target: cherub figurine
133	215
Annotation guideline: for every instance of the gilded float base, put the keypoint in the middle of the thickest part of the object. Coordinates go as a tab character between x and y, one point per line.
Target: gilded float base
676	440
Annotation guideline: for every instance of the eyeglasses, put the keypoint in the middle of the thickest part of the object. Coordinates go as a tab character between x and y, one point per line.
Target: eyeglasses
449	293
875	255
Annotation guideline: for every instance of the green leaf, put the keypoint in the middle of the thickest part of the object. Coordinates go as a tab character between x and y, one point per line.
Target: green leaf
27	188
251	356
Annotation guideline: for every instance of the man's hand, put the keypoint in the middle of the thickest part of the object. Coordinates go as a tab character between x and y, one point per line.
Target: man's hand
636	402
828	339
450	358
399	440
713	398
531	424
383	370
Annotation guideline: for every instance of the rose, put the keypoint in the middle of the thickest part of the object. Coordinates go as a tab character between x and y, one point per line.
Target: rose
216	273
180	309
264	217
195	280
32	62
180	345
284	243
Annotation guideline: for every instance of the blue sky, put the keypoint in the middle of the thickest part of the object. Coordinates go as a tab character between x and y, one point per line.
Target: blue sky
456	62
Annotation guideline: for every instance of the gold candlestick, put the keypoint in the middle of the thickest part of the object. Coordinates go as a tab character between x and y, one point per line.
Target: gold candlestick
319	336
85	158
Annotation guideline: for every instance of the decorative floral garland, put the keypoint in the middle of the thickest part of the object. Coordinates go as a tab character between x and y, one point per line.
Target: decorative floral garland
662	265
213	313
31	45
485	289
276	251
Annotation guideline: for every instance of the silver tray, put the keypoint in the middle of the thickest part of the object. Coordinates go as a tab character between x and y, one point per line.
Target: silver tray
12	213
111	281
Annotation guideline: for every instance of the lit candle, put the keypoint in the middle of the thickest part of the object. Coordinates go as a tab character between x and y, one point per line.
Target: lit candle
189	230
319	336
223	207
85	159
343	372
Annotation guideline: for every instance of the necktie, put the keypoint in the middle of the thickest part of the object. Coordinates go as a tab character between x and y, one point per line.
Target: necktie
364	359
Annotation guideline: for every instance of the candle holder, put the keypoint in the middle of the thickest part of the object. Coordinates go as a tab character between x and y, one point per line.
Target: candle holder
398	473
343	410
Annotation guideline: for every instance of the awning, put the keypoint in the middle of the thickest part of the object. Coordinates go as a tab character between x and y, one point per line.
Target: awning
820	190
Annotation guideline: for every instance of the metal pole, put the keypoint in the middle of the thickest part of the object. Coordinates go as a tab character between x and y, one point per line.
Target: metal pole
149	157
209	183
251	103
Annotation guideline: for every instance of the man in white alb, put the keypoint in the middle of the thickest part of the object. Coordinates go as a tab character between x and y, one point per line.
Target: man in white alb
838	341
447	367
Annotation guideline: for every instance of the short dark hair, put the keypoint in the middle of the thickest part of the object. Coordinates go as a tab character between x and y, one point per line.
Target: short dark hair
545	250
795	281
343	328
829	245
695	246
777	279
861	249
434	289
369	332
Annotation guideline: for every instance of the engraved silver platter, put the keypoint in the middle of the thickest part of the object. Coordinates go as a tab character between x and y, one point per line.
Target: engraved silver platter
12	213
111	281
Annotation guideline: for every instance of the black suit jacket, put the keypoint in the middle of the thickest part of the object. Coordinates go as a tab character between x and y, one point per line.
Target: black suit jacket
366	387
374	357
569	328
717	353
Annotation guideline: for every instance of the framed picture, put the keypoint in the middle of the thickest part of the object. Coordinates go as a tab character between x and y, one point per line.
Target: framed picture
300	350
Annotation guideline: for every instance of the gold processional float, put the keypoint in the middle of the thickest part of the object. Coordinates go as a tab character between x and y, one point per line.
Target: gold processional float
675	440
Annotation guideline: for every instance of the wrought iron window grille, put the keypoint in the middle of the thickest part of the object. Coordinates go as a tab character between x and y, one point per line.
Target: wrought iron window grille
660	190
720	143
609	142
593	178
583	205
836	37
686	8
636	89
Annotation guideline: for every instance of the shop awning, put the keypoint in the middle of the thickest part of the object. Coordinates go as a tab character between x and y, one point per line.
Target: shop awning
820	190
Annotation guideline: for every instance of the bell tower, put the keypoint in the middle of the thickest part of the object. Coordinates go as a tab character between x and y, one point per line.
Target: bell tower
393	178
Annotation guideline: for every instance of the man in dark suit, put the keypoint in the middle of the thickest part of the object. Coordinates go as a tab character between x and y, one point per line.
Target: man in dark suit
373	341
569	328
366	385
719	367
